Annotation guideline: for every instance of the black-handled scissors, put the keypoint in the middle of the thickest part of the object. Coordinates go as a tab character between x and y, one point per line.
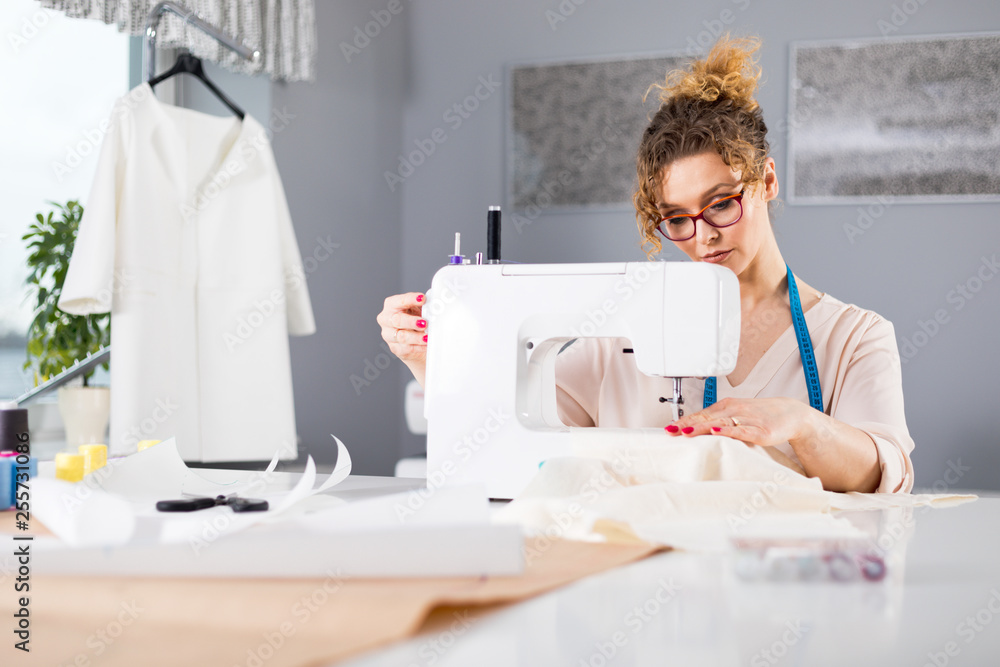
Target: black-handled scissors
191	504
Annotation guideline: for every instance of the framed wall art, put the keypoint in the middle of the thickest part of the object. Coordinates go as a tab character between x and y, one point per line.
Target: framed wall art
573	129
899	119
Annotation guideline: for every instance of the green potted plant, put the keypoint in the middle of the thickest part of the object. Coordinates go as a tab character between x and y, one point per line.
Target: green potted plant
57	340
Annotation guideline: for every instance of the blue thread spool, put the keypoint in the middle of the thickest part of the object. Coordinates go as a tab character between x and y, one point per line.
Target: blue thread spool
8	477
6	482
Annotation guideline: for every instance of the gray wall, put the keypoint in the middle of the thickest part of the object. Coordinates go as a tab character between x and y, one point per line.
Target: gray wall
352	124
341	130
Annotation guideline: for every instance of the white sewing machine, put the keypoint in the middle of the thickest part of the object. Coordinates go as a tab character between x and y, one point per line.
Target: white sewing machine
494	331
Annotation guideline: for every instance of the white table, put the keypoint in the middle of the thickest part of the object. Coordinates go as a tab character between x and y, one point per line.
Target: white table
942	607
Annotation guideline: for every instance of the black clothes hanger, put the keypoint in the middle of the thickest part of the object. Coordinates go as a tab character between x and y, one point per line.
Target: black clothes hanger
188	64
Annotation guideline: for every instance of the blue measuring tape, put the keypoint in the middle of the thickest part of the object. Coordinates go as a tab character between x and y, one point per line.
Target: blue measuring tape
805	352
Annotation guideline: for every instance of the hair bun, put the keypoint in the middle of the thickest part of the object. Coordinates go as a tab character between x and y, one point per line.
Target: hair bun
708	106
729	71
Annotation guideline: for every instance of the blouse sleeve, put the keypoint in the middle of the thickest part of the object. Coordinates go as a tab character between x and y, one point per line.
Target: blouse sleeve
579	372
871	399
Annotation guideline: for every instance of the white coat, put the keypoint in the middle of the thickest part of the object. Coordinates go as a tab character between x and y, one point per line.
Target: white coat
186	238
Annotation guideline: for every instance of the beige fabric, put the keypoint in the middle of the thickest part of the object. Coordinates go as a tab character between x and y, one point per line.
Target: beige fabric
694	493
859	369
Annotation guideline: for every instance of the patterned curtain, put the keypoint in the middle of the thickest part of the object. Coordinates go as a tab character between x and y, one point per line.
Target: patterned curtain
284	31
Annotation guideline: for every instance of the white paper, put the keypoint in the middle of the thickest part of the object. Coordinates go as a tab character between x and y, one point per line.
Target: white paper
425	532
108	505
423	507
80	516
282	552
208	524
154	473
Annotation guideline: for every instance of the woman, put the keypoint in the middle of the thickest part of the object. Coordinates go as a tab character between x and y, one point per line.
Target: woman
825	396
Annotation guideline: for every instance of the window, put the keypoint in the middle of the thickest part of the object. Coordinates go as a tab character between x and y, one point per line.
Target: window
59	78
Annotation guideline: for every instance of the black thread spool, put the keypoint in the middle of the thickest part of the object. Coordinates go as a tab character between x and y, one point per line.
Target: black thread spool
493	235
13	429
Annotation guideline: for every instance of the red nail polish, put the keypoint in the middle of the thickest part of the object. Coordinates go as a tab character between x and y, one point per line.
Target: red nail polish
672	429
420	297
716	429
421	324
687	429
425	338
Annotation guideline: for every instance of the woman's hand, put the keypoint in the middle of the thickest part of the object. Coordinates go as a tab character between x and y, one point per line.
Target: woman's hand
843	457
403	329
755	421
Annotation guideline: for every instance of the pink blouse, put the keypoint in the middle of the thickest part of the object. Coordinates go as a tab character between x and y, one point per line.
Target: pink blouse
859	368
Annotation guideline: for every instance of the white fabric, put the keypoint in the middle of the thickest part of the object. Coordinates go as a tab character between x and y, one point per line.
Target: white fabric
859	372
695	493
284	31
186	238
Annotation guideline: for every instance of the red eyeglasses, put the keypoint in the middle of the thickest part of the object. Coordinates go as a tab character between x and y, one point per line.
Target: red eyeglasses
720	213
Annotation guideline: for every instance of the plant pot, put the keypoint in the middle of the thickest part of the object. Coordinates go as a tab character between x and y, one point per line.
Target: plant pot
85	412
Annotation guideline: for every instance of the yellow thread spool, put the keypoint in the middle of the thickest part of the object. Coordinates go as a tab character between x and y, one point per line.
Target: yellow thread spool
94	457
69	466
146	444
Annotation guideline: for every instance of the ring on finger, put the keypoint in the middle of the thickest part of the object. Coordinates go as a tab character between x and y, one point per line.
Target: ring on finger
395	336
736	422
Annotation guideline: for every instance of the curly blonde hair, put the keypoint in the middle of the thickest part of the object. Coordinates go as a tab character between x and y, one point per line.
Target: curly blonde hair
709	106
